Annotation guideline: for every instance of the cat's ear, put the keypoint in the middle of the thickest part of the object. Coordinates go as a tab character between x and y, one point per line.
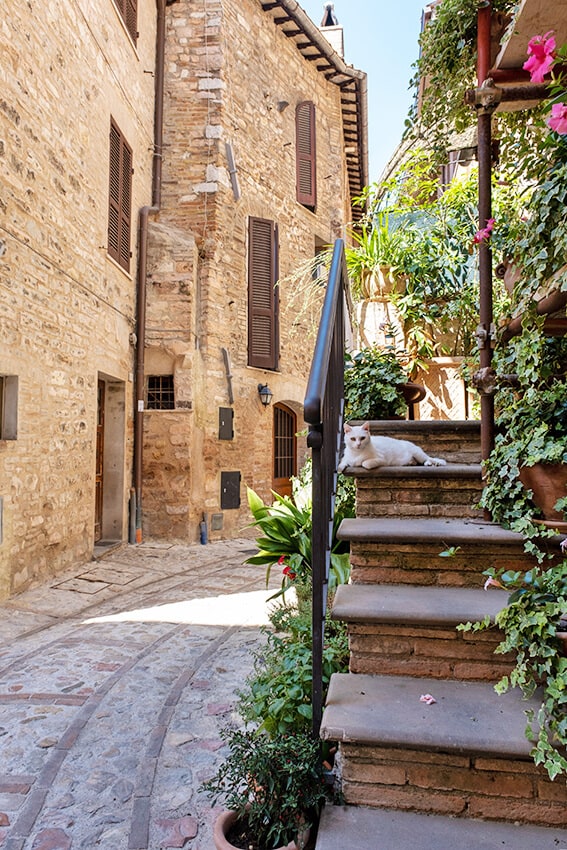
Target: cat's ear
366	426
347	428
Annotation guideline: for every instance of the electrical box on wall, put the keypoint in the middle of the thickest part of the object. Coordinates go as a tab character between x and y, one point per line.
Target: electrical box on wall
230	490
226	419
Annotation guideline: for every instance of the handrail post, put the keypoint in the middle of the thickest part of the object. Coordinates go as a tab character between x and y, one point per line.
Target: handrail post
323	413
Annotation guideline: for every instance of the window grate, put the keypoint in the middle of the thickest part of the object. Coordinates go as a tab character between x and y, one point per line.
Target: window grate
160	395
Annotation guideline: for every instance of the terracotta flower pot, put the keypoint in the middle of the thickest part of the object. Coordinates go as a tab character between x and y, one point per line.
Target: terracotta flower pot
226	820
548	482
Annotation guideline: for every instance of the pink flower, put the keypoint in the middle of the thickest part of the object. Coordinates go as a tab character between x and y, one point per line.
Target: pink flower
541	52
558	120
483	234
492	582
427	698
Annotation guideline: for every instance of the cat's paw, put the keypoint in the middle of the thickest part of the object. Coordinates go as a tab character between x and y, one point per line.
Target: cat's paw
372	463
436	461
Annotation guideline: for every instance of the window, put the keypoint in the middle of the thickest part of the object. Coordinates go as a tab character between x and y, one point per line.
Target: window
120	198
263	332
305	154
129	12
8	407
160	393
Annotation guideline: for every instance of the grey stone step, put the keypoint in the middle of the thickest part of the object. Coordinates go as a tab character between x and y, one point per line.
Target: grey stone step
464	755
412	631
360	828
414	605
453	532
467	717
468	471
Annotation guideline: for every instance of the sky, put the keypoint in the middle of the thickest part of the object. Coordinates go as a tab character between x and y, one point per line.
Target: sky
381	38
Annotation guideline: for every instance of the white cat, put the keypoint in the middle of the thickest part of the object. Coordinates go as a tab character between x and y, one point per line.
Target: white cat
363	450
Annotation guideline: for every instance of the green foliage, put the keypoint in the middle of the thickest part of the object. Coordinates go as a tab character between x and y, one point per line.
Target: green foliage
373	380
538	244
531	424
286	541
530	622
375	246
445	69
438	307
274	785
277	696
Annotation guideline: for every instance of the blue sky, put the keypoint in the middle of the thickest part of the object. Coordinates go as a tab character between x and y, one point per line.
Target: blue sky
381	38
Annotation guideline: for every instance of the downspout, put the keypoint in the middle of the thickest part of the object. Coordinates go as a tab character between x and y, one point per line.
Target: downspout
485	330
144	214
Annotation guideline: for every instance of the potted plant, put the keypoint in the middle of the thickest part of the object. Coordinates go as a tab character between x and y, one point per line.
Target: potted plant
272	788
372	259
533	621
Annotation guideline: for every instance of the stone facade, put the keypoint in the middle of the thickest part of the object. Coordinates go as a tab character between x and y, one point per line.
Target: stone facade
233	77
68	311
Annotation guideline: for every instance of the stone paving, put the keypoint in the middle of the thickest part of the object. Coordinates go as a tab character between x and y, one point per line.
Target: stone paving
115	680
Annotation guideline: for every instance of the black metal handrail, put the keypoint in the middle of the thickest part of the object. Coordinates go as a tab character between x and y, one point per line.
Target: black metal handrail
323	413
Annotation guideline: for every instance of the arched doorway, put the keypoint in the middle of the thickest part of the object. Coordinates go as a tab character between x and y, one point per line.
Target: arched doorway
285	449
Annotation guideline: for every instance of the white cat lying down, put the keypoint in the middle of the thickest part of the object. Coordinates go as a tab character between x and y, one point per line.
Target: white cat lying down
361	449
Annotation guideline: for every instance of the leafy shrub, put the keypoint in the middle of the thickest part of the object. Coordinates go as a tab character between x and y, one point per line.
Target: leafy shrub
373	381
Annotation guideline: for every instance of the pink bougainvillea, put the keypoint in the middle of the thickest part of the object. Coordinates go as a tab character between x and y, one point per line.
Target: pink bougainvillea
482	235
541	53
558	119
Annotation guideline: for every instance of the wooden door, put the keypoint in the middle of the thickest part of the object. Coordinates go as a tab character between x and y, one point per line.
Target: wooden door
285	449
99	461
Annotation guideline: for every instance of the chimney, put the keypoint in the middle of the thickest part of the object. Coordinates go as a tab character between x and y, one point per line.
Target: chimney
331	29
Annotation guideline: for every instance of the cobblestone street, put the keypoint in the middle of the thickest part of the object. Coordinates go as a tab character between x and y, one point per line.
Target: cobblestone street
115	680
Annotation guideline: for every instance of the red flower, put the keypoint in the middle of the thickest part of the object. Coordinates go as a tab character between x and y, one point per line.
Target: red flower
287	571
281	559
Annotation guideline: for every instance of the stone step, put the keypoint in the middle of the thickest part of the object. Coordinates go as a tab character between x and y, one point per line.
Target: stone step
464	755
457	441
408	630
360	828
421	491
389	550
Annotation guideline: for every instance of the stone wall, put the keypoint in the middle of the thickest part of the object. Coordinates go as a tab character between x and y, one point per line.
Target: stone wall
233	77
66	309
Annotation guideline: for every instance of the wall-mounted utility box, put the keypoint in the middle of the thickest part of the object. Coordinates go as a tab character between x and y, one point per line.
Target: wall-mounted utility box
226	420
230	490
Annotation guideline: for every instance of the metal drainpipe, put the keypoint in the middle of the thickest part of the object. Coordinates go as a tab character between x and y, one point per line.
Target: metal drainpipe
144	214
484	129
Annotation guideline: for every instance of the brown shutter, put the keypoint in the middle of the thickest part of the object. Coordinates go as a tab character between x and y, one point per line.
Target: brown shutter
263	340
129	12
120	197
305	153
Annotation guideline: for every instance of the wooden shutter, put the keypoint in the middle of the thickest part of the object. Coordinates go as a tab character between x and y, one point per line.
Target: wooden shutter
120	198
129	12
263	342
305	153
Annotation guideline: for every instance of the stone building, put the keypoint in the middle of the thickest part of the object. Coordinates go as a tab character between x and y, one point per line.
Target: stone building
163	164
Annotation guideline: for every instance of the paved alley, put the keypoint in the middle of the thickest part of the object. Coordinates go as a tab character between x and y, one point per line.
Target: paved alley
115	679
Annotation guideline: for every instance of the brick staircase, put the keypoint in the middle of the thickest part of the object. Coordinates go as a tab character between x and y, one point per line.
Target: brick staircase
456	772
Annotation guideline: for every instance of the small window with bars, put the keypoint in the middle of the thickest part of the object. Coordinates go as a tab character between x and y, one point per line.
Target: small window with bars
160	393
